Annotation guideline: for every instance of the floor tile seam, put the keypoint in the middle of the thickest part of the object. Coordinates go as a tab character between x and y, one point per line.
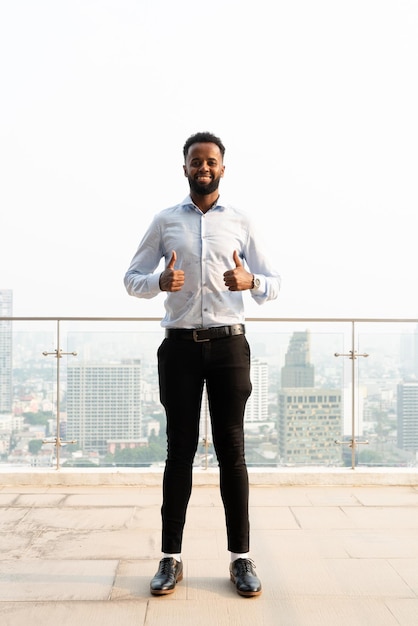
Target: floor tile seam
5	506
213	488
76	507
21	522
376	527
336	596
224	600
276	597
93	506
405	582
348	506
36	559
351	557
327	558
116	574
193	560
127	600
341	506
386	505
208	507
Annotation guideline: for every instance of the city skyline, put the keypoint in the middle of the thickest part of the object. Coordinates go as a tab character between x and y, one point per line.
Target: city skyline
318	398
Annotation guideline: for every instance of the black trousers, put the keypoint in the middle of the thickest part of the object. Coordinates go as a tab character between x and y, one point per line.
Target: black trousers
183	366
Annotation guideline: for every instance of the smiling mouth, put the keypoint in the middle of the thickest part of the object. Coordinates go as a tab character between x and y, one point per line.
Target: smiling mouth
203	179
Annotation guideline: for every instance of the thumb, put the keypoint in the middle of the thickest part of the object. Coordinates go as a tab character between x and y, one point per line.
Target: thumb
237	260
172	261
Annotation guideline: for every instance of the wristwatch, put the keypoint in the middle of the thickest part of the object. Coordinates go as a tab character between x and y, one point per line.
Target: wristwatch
256	282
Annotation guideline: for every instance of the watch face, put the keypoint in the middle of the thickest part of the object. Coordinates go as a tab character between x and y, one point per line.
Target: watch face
256	283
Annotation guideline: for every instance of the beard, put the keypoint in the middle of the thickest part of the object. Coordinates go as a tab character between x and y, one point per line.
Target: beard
206	189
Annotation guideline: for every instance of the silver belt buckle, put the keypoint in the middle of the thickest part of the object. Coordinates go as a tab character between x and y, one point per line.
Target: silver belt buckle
196	336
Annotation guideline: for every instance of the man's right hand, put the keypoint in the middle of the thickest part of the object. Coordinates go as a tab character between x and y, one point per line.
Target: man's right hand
172	279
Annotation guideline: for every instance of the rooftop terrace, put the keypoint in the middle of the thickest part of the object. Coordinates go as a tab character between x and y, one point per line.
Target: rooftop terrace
331	547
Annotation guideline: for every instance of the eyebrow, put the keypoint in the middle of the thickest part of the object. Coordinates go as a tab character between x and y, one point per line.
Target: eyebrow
196	158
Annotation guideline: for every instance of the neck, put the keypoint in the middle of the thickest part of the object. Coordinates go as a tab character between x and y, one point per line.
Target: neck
205	202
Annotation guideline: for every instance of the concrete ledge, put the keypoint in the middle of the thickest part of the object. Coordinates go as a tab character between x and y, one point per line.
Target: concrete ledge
48	477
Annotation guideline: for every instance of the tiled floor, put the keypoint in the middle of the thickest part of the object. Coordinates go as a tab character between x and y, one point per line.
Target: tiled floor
327	555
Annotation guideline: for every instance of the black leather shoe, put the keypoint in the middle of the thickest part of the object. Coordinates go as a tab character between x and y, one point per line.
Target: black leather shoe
169	573
243	574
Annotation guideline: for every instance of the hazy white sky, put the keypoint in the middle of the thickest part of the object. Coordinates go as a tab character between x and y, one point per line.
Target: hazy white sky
315	100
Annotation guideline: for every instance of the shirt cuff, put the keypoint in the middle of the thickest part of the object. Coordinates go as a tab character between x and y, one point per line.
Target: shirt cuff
154	283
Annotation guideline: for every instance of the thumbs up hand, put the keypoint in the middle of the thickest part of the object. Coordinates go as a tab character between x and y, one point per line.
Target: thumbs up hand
171	279
238	279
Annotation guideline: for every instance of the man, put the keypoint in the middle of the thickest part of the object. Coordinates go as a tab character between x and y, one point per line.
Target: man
211	256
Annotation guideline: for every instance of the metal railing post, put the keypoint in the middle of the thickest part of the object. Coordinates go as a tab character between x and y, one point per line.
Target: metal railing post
352	354
57	441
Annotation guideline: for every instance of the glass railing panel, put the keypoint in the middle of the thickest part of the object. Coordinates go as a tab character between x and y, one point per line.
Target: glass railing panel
387	405
28	384
295	416
97	403
112	407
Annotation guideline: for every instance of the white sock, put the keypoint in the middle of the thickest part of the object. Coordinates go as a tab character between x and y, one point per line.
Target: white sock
166	555
236	555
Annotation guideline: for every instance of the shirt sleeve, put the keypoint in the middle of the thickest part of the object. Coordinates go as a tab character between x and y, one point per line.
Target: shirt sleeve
262	268
141	280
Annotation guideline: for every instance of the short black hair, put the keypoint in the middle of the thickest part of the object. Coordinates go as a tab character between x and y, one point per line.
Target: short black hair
204	137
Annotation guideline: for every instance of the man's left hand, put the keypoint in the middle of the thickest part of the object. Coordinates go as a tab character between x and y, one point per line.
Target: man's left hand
238	279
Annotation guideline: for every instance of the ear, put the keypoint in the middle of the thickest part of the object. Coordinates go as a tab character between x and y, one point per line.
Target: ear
185	170
222	171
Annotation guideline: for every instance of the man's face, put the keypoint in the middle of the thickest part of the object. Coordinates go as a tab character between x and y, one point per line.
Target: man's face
204	168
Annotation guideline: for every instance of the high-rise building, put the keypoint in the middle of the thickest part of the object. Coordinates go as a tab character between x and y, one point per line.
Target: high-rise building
407	410
257	405
104	403
409	355
310	418
310	422
6	310
298	371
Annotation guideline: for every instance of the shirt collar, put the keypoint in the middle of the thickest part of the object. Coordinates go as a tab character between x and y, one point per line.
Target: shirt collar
189	202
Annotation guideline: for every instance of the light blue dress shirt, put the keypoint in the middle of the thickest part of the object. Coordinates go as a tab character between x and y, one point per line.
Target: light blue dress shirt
204	244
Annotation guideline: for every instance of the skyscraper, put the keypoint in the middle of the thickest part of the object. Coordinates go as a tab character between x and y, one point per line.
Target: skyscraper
6	310
257	405
407	409
104	403
409	355
310	419
298	370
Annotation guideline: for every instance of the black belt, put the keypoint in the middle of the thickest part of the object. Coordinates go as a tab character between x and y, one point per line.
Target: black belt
205	334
